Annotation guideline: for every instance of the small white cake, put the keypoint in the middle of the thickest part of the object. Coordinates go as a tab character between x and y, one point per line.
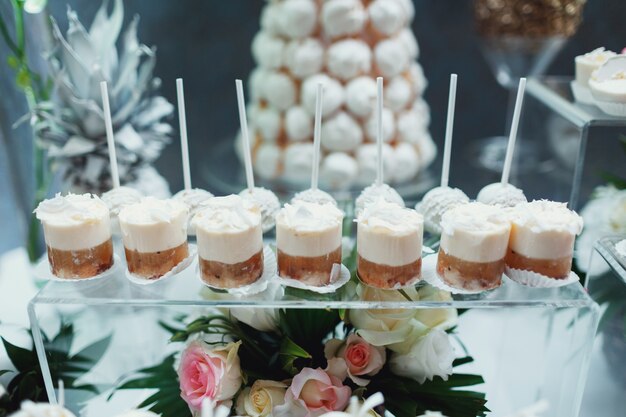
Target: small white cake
193	199
374	193
436	202
503	195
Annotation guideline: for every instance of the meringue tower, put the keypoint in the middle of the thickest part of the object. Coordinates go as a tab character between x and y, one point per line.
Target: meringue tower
344	44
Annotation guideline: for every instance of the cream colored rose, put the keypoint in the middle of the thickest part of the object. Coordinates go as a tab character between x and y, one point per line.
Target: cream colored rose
260	399
436	318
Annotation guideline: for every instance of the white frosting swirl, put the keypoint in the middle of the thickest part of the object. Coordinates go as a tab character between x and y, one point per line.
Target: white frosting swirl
333	98
304	57
297	18
390	218
304	216
280	90
342	17
387	16
391	57
349	58
341	133
268	50
361	96
544	215
475	217
373	194
298	124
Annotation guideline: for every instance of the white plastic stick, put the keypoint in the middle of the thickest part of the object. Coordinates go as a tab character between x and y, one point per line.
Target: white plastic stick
506	170
244	135
447	149
184	144
108	124
61	401
379	127
317	136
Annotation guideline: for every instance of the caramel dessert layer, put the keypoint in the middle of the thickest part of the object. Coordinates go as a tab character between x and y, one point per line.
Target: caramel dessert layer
83	263
221	275
313	270
152	265
473	276
386	276
553	268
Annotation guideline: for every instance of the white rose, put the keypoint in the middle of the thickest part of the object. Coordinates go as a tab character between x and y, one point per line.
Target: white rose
260	399
436	318
432	414
431	355
261	319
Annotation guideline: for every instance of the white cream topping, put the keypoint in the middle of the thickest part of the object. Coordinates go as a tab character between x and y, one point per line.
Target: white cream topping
298	162
267	161
334	94
387	16
308	229
389	234
267	202
298	124
398	93
338	170
586	64
436	202
74	221
304	57
267	122
342	17
31	409
406	162
544	215
268	50
297	18
475	232
361	96
367	158
503	195
154	225
280	90
389	126
316	196
349	58
341	133
374	193
391	57
229	229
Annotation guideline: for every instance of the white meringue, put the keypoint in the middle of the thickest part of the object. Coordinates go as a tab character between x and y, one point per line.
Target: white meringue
268	50
389	126
391	57
409	9
406	162
411	126
297	18
503	195
341	133
361	96
423	109
436	202
398	93
269	18
298	162
387	16
408	39
374	193
314	196
338	170
417	79
334	94
280	90
298	124
193	199
267	161
367	158
427	150
342	17
267	201
267	122
304	57
256	83
348	58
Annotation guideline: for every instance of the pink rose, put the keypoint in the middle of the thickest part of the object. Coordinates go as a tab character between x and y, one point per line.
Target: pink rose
206	373
314	392
354	357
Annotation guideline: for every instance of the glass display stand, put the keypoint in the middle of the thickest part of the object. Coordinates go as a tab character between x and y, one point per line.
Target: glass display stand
604	394
529	344
575	144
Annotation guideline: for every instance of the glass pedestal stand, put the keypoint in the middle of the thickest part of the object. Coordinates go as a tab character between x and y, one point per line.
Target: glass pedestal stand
529	344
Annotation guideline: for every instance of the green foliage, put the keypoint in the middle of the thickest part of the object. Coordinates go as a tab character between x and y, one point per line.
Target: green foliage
27	383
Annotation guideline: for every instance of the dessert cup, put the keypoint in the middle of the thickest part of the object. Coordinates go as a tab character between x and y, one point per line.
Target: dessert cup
154	233
389	245
230	242
77	233
473	245
308	241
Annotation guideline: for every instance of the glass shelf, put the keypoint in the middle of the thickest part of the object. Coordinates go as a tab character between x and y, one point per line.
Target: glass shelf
606	248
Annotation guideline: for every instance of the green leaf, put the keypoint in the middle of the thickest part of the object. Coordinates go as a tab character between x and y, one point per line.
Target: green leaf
21	358
12	61
94	351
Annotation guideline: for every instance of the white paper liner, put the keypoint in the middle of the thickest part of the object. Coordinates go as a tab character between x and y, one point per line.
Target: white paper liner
42	271
260	285
430	276
533	279
612	108
182	265
340	272
582	94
